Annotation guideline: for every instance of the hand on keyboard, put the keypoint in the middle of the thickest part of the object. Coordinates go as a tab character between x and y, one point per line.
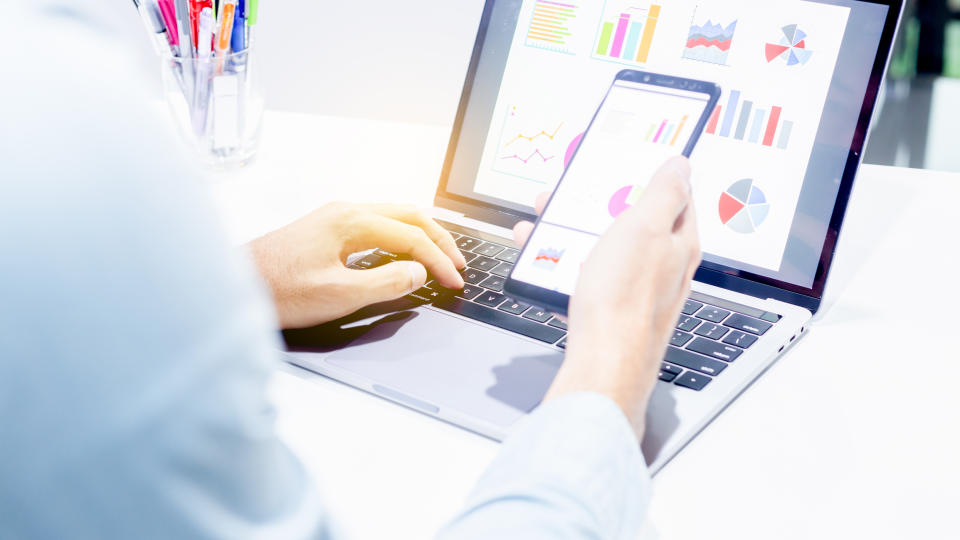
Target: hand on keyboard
630	294
304	263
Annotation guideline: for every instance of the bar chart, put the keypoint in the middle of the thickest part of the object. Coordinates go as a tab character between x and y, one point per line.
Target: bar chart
744	120
552	26
627	32
666	132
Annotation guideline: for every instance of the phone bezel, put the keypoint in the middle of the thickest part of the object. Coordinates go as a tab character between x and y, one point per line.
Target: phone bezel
558	302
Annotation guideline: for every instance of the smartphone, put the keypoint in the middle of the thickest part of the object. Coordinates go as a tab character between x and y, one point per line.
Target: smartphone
644	119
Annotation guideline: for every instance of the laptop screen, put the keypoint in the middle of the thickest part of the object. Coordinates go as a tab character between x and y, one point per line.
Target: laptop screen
767	171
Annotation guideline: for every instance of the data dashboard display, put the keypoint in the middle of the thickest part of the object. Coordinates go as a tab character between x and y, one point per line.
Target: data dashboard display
774	60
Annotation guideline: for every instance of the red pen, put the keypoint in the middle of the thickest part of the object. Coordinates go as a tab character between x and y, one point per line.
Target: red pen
170	19
196	6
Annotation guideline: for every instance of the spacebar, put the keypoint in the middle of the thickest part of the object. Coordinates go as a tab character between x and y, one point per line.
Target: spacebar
541	332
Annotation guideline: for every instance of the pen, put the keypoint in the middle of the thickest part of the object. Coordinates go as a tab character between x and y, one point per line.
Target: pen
197	7
251	14
170	21
224	30
201	95
182	9
238	41
153	22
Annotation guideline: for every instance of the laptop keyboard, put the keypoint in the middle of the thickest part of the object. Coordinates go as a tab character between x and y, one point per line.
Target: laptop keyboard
706	340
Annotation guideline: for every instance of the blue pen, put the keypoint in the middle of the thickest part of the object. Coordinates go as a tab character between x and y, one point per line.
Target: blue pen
238	40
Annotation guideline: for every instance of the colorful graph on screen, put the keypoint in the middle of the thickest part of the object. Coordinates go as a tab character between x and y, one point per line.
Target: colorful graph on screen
548	258
553	26
709	41
666	132
533	146
743	207
791	49
744	120
627	31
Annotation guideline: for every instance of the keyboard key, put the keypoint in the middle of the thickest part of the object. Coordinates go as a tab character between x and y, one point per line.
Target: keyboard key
469	292
713	314
771	317
688	324
562	343
691	307
454	235
671	368
372	261
666	376
712	331
693	381
483	263
740	339
490	298
489	250
393	256
516	308
539	315
518	325
467	244
694	361
472	276
508	256
748	324
426	294
680	339
494	283
468	256
727	353
503	270
556	322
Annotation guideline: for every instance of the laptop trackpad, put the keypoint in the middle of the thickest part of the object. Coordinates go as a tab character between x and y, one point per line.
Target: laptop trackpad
432	361
440	361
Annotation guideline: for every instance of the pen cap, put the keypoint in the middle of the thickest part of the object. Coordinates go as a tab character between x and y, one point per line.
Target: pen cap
225	25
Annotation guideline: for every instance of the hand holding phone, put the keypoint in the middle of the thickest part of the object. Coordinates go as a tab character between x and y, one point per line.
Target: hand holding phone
645	119
625	308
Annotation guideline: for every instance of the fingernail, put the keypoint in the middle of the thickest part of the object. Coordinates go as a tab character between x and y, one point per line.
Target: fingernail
418	276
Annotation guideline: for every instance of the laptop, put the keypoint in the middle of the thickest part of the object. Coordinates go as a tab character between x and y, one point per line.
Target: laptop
773	173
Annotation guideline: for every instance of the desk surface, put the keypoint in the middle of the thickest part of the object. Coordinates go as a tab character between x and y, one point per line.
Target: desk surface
853	434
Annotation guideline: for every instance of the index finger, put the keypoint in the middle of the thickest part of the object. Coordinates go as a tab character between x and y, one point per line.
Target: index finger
440	236
398	237
667	195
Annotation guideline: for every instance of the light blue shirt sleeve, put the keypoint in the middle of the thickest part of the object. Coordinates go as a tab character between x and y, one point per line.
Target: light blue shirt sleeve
571	470
136	345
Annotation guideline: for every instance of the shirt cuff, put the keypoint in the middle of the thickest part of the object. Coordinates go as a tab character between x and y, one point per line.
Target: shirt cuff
579	455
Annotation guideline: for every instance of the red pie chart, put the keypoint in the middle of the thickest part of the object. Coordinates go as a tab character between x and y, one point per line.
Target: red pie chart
743	207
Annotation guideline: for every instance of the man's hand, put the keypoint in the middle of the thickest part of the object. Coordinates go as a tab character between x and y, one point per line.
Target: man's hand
629	295
304	263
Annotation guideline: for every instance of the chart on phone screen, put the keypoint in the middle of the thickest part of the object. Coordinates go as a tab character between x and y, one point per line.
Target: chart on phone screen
774	61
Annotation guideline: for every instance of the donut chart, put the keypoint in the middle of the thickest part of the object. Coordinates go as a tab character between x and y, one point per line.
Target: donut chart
743	207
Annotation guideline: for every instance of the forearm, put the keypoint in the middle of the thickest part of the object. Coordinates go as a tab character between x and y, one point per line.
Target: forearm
572	469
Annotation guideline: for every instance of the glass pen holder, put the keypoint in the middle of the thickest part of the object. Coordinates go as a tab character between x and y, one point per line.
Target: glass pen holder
217	104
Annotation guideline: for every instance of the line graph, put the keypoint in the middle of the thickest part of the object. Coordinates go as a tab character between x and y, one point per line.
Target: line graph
527	159
552	135
531	143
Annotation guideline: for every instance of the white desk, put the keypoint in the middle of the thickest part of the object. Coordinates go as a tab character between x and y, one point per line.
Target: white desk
853	434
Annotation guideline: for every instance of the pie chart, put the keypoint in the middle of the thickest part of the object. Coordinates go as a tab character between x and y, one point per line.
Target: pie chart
792	47
744	207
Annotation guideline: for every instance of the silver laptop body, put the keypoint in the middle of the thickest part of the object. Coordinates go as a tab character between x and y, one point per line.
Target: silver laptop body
442	360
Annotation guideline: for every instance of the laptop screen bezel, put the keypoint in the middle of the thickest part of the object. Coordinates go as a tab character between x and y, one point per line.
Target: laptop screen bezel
709	273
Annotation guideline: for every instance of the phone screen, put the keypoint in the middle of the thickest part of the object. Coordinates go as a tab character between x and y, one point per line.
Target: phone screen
636	129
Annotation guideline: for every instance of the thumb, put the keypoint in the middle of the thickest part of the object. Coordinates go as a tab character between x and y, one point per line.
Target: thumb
387	282
667	195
